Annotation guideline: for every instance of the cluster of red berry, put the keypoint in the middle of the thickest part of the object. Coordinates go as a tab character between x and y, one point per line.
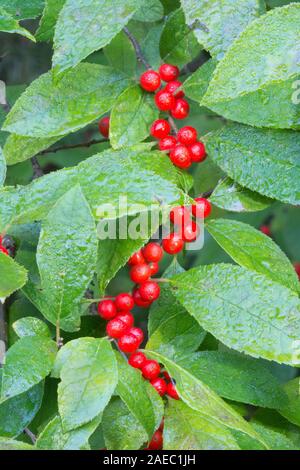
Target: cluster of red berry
184	148
2	248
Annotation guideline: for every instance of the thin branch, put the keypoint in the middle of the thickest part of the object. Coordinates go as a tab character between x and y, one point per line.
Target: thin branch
37	169
172	124
31	435
137	48
72	146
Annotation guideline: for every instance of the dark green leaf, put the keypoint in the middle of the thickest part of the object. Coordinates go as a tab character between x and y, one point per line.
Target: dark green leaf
49	19
13	276
150	11
292	409
121	54
196	85
244	310
244	85
31	326
21	9
235	148
9	25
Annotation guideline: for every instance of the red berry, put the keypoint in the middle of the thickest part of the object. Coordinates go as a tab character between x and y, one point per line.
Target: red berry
297	268
172	87
149	291
198	152
104	126
151	369
4	250
173	244
181	157
166	375
152	252
124	301
154	268
160	386
167	143
180	109
172	392
115	328
168	72
137	360
136	258
156	442
180	215
187	135
190	231
202	208
164	100
150	80
266	230
160	129
107	309
139	301
137	332
126	318
128	343
140	273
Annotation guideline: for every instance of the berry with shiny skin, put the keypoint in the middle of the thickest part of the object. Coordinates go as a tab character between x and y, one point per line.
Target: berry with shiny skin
154	268
297	269
151	369
167	143
150	80
126	317
136	258
190	231
181	157
138	300
173	244
198	152
180	215
202	208
4	250
160	129
149	291
156	442
187	135
266	230
137	332
160	386
124	301
128	343
115	328
166	375
173	86
152	252
137	360
140	273
107	309
164	100
180	109
103	126
172	392
168	72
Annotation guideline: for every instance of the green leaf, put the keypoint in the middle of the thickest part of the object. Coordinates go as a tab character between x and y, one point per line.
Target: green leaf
150	11
121	55
66	257
291	411
16	413
236	377
187	429
31	326
230	196
48	21
253	250
23	10
197	83
275	440
201	398
11	444
131	117
84	94
244	85
19	148
84	27
178	44
13	276
88	379
2	168
126	433
244	310
172	331
132	390
235	148
27	362
9	25
147	178
217	25
53	436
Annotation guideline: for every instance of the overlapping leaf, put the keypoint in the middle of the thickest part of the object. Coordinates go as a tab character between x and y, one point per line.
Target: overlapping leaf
8	24
13	275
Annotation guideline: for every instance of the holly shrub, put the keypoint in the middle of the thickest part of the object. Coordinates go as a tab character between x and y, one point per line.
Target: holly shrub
149	222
